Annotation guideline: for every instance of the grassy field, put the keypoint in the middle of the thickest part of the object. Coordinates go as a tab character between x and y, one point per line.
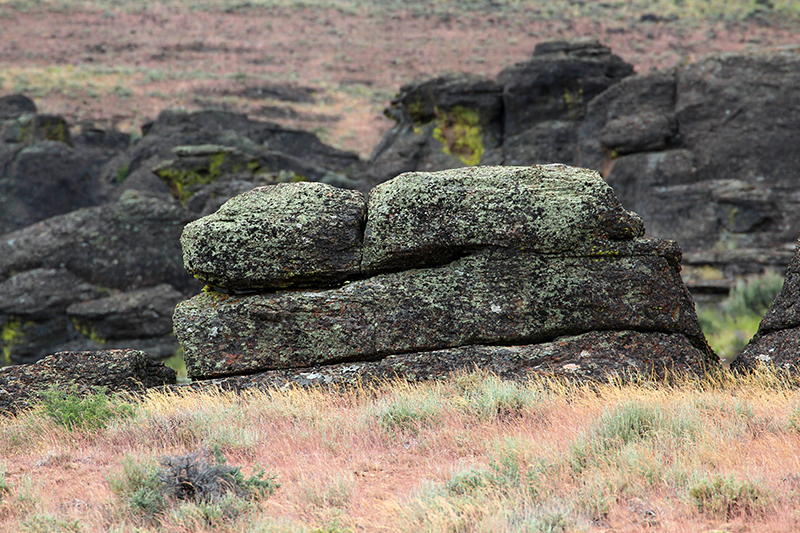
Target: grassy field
470	453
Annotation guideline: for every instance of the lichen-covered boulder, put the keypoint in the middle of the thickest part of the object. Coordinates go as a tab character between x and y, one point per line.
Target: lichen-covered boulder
543	258
115	370
296	234
420	219
494	296
777	341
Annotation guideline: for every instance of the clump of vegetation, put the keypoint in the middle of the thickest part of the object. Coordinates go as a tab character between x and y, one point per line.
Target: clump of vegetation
727	497
729	326
190	488
193	477
68	407
470	452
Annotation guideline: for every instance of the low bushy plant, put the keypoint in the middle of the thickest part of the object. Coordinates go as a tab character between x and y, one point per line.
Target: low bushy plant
191	487
193	477
727	497
408	413
69	407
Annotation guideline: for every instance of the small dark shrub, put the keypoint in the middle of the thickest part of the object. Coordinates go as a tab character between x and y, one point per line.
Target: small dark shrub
194	478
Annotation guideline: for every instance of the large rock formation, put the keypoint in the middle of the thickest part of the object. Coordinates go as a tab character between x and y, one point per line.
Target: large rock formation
704	153
90	225
535	269
777	341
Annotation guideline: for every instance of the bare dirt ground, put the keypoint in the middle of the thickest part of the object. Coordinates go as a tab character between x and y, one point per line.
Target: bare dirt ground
325	70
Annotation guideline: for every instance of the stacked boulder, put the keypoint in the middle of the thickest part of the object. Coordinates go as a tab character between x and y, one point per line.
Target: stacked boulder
777	341
519	270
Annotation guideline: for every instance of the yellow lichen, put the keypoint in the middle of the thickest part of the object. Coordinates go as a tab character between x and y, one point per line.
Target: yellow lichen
459	131
87	331
11	335
574	102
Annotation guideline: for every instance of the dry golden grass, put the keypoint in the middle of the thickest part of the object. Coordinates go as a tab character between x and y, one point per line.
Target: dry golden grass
470	453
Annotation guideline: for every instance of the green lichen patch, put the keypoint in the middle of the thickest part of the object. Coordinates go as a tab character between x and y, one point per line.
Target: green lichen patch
574	102
87	331
200	165
12	333
459	131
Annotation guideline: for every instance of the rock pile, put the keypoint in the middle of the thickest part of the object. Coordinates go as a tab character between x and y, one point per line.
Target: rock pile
777	341
517	269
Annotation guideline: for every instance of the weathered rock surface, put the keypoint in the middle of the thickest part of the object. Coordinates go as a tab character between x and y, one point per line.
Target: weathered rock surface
494	263
558	82
431	218
777	341
598	355
116	370
200	156
276	237
81	207
444	122
45	171
93	258
15	105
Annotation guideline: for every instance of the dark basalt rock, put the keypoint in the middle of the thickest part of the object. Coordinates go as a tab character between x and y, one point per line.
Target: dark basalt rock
15	105
115	370
597	355
91	259
777	341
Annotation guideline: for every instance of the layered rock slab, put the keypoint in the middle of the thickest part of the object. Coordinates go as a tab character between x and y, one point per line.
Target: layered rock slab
491	297
484	256
115	370
597	355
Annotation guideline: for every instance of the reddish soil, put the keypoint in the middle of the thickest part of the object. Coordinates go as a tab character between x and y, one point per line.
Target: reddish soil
123	68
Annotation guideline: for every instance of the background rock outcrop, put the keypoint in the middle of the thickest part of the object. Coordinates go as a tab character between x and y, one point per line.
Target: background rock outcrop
704	153
90	222
474	285
529	115
73	282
